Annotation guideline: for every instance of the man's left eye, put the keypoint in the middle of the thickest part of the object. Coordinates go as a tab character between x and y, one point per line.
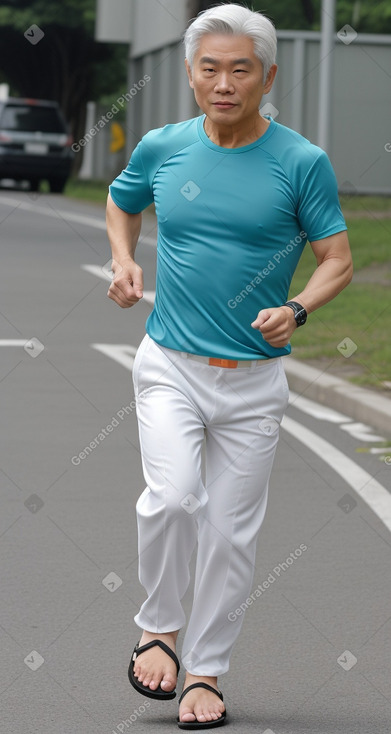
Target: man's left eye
241	70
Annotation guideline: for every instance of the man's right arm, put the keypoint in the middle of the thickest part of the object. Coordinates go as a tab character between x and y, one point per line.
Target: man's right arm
123	230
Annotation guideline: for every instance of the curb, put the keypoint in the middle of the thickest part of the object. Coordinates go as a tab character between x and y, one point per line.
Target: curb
362	405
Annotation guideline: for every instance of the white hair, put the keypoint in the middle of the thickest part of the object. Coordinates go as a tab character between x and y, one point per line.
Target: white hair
233	19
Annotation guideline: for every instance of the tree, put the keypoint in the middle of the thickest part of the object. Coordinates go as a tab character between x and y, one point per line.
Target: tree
283	13
67	64
365	16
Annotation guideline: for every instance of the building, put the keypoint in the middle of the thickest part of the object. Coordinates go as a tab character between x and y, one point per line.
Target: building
158	90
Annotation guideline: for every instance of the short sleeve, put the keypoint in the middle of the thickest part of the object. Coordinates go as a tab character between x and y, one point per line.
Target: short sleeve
131	190
319	210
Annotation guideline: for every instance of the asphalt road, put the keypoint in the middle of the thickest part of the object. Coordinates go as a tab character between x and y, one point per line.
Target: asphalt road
315	649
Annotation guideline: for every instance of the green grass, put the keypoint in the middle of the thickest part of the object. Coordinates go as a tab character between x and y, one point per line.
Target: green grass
91	191
365	203
96	191
361	312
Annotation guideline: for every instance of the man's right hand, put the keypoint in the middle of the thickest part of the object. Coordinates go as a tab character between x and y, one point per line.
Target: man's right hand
126	288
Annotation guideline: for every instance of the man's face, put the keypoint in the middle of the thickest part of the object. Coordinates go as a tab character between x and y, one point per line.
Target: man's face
227	78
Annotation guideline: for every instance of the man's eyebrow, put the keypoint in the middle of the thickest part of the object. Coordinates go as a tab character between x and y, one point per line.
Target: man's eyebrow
209	60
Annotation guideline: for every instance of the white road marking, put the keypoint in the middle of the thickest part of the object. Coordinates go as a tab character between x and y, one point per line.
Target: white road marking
98	271
360	431
89	221
121	353
13	342
322	412
368	488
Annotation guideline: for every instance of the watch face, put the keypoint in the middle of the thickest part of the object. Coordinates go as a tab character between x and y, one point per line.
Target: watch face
299	312
301	317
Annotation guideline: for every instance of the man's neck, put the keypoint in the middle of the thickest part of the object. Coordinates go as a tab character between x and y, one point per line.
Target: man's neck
236	136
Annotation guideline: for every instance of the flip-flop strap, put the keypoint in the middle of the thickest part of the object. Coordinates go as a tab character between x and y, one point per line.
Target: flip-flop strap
201	685
163	646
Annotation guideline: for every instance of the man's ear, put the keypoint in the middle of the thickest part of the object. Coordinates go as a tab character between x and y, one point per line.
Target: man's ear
189	74
270	78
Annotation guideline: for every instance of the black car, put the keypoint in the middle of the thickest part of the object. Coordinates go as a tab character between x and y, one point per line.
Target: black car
34	143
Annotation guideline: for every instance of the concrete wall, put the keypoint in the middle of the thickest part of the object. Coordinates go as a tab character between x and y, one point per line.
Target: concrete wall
361	103
361	99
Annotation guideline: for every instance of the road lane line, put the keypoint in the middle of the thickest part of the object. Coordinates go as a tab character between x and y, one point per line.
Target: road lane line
13	342
90	221
98	271
360	431
321	412
366	486
121	353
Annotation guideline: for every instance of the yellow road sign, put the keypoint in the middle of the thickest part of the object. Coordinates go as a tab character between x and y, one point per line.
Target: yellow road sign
117	141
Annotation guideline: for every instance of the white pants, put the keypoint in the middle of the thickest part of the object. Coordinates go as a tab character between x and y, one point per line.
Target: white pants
180	402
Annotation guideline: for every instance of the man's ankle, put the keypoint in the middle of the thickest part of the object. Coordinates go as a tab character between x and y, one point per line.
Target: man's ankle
190	678
164	636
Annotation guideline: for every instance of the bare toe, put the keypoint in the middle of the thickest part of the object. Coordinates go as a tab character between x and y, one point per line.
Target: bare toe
201	705
168	683
154	667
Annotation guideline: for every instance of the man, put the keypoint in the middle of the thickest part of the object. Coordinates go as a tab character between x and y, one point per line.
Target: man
237	196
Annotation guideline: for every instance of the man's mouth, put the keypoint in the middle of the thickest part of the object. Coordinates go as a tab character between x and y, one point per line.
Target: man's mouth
224	105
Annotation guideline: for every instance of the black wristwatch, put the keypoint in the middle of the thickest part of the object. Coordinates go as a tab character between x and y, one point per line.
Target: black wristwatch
299	311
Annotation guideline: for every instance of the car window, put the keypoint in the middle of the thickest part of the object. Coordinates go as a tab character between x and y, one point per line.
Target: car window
26	119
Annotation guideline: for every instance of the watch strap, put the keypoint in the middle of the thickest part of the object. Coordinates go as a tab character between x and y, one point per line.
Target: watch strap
299	312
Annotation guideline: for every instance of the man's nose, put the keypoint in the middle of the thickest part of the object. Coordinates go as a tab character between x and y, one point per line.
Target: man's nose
224	83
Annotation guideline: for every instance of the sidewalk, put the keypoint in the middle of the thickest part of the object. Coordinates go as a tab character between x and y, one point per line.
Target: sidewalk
365	406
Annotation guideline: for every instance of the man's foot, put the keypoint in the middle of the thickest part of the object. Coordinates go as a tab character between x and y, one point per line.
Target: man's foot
199	704
154	667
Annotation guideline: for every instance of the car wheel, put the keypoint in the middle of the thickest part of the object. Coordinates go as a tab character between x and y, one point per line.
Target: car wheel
57	185
34	184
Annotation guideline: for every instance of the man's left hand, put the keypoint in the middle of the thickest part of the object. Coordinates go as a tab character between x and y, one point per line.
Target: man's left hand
276	325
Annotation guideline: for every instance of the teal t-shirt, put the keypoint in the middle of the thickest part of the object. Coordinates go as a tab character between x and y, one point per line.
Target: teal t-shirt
232	225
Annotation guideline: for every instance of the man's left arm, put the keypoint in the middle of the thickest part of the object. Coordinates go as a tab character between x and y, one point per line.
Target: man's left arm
333	273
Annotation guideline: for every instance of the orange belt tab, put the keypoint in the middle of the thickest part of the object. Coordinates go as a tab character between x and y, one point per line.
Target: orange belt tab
223	362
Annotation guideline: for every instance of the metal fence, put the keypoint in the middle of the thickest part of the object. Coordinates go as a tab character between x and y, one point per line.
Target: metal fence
360	135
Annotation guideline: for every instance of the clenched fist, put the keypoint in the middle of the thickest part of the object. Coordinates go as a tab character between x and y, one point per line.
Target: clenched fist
276	325
126	288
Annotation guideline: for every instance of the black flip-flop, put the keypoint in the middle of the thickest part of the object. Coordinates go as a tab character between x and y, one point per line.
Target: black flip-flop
145	690
202	724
